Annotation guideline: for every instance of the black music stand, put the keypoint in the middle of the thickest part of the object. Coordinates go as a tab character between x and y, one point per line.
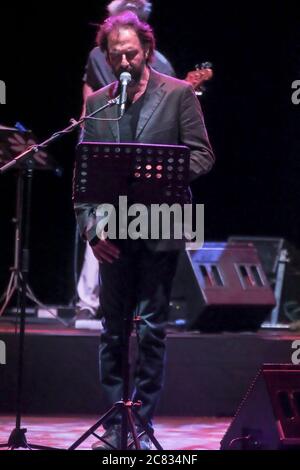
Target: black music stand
146	174
12	142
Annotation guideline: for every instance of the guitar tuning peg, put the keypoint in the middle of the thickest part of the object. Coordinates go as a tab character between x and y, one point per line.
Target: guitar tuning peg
207	65
204	65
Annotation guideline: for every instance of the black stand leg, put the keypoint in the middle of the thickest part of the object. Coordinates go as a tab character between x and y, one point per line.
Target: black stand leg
73	300
17	438
17	275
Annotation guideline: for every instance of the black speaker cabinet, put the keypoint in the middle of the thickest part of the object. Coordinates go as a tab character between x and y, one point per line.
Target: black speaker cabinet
225	288
268	250
268	418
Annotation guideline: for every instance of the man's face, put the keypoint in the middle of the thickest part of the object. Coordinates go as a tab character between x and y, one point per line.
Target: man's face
125	53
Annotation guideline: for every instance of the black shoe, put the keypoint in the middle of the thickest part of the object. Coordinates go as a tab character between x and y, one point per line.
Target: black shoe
112	438
99	313
85	318
82	314
85	314
145	442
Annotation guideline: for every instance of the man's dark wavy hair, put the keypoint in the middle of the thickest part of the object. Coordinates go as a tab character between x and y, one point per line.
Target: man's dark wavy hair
131	21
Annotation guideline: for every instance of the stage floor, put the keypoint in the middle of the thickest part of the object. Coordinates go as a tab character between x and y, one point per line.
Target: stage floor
206	374
173	433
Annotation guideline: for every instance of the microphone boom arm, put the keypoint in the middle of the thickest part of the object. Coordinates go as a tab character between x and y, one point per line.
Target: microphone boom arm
35	148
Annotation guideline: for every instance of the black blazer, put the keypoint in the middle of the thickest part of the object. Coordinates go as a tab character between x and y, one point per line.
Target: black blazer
171	114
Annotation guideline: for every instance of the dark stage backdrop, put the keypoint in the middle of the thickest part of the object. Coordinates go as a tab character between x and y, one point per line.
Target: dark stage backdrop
253	125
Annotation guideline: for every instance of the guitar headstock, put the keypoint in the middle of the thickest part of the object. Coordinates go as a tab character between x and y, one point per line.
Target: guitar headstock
201	74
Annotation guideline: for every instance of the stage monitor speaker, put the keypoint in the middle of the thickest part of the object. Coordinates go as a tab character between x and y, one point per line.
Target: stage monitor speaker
225	288
268	250
268	418
280	260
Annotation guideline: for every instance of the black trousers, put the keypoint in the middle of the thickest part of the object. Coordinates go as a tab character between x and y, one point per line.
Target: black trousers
138	283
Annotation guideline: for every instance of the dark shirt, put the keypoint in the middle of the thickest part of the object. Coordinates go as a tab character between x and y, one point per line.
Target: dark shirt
129	121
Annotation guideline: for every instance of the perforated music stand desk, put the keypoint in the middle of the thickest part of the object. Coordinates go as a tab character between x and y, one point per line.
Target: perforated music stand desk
146	174
13	142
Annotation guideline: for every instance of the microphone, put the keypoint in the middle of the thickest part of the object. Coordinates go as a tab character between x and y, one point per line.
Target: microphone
125	78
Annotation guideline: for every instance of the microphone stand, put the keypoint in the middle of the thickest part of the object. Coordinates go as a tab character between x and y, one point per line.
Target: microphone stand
17	438
37	147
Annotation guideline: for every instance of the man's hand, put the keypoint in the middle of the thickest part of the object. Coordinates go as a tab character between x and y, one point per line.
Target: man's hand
105	250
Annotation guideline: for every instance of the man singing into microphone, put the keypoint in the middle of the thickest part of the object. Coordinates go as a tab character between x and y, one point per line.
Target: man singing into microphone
138	274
